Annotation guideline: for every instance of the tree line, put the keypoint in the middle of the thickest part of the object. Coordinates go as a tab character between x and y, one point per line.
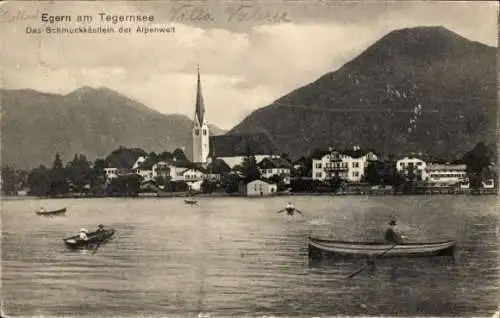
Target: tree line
82	176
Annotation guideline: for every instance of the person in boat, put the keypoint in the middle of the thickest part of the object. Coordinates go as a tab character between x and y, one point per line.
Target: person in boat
100	228
290	209
83	234
42	209
392	235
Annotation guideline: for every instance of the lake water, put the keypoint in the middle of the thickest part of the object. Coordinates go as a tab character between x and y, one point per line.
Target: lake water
237	256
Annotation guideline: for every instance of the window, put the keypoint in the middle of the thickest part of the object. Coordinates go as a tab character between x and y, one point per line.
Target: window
318	165
355	174
204	132
197	132
355	164
318	174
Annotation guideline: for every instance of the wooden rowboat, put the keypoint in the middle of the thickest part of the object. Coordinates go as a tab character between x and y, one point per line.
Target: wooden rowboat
93	239
190	201
321	248
53	212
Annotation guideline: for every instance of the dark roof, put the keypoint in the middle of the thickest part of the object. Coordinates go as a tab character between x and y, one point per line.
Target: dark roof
269	163
318	154
124	158
182	164
241	145
218	166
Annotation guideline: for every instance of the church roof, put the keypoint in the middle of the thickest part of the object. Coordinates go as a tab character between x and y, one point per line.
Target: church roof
241	145
200	106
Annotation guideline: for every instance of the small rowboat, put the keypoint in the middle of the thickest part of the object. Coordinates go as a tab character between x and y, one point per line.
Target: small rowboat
319	248
93	239
190	201
53	212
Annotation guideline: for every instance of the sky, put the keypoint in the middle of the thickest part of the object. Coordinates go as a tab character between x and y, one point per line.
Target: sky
249	53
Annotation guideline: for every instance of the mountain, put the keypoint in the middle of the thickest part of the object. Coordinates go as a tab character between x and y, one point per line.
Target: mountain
423	89
90	121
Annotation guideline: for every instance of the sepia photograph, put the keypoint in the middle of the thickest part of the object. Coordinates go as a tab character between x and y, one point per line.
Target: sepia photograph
278	158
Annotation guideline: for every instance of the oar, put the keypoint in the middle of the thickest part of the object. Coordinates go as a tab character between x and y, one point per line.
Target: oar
369	263
97	246
98	243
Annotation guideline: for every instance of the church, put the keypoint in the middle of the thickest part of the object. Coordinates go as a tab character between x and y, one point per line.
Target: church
231	148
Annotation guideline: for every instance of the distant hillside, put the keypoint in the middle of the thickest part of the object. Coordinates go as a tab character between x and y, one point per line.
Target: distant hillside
422	89
90	121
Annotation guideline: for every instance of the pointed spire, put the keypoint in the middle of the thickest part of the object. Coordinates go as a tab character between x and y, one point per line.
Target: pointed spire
200	106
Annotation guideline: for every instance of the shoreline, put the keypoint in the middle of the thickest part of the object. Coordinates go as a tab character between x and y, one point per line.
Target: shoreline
482	192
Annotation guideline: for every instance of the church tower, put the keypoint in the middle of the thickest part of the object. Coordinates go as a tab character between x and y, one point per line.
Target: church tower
201	134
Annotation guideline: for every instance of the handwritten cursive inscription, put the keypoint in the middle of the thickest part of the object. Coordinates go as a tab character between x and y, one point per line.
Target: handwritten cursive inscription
190	13
10	16
247	12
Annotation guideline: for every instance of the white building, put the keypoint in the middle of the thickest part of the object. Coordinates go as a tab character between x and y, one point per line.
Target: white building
348	165
160	169
260	188
275	166
446	174
408	164
201	133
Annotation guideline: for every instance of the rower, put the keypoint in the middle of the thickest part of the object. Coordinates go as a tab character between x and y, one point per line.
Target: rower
100	228
42	209
83	234
391	235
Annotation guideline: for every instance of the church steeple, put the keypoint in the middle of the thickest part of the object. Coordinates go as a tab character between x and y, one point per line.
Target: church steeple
200	106
201	132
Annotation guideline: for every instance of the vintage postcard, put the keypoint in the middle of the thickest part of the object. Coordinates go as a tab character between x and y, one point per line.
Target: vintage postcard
249	158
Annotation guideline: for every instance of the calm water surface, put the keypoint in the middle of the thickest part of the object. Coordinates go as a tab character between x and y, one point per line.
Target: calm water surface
236	256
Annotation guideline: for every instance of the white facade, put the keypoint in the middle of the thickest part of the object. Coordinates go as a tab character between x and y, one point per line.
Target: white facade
195	185
349	168
111	173
447	174
201	137
408	163
160	169
267	173
185	174
488	184
146	174
260	188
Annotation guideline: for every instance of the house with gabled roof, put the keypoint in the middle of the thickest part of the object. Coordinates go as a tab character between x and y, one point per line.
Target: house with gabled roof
216	168
347	164
276	166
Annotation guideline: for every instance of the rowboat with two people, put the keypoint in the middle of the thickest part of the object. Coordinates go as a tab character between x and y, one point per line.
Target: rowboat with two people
393	246
86	240
50	212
